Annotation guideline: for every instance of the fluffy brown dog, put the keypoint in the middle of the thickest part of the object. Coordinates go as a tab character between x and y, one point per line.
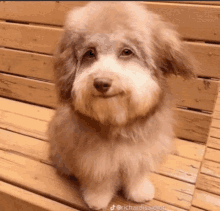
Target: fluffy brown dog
113	124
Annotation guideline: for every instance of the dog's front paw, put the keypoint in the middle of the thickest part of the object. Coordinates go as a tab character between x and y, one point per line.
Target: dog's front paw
97	201
141	191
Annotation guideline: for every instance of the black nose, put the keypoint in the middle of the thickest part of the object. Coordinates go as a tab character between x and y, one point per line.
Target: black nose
102	84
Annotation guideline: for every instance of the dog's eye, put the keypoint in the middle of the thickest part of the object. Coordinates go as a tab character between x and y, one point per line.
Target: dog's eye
126	52
90	54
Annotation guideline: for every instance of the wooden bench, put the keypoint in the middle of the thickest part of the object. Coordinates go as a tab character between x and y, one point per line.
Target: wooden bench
28	35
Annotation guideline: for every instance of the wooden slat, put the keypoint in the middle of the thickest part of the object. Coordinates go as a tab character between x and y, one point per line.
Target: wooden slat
194	21
211	168
177	167
190	150
206	57
38	12
213	143
192	125
40	66
195	209
197	2
151	205
216	123
14	198
214	132
208	183
180	168
28	90
43	179
206	200
28	37
31	147
39	178
212	154
199	94
26	64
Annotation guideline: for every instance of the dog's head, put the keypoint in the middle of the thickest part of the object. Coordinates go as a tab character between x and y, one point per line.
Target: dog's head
113	58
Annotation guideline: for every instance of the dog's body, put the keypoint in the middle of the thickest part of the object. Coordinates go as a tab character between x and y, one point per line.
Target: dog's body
113	124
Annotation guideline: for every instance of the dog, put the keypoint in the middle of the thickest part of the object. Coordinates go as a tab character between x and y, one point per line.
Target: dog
113	125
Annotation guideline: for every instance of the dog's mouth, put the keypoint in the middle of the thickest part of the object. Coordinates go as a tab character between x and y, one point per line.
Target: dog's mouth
105	95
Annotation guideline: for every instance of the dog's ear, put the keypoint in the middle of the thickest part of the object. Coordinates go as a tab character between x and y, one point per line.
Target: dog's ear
171	55
64	66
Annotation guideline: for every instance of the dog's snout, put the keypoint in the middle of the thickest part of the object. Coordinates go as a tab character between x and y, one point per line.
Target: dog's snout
102	84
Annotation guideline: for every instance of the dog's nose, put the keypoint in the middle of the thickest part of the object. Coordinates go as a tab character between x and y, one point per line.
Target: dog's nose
102	84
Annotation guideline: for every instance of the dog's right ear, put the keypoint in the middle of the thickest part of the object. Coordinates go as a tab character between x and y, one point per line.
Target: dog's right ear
64	66
171	55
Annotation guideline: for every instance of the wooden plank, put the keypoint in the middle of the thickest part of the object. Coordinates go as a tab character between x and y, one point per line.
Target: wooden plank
198	22
14	198
216	123
199	93
180	168
26	64
24	109
211	168
192	125
212	154
206	200
29	90
28	37
214	132
206	57
195	21
119	203
195	209
39	178
196	2
177	167
43	179
208	183
216	114
23	124
40	66
213	143
190	150
37	12
184	92
31	147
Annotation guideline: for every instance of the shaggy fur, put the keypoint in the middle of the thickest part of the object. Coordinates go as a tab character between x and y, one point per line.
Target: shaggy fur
113	124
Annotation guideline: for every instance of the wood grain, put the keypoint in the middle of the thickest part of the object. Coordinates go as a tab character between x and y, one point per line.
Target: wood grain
211	168
175	166
194	21
208	183
212	154
42	179
28	37
190	150
192	125
198	22
13	198
206	200
26	64
214	143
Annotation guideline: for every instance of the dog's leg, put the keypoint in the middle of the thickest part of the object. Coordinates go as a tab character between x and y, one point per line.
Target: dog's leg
98	195
138	188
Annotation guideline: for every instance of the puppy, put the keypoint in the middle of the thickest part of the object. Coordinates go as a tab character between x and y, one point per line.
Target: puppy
113	124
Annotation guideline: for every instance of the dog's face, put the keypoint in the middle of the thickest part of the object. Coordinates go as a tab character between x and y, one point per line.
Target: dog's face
112	61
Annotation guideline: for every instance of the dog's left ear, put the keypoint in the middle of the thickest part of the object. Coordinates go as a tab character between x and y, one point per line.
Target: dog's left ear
171	55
